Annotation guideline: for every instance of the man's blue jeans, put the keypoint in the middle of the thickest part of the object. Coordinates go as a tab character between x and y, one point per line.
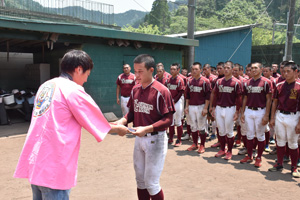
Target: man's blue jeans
45	193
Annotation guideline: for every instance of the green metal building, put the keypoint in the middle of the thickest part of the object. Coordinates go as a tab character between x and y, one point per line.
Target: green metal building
109	48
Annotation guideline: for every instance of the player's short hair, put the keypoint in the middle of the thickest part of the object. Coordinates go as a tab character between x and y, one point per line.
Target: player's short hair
75	58
298	67
283	62
197	63
293	65
176	64
268	67
207	65
145	58
213	68
259	64
126	64
220	64
275	64
160	65
248	65
184	69
229	63
241	68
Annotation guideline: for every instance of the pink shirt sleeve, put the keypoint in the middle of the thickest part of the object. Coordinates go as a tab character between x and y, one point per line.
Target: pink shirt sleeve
88	114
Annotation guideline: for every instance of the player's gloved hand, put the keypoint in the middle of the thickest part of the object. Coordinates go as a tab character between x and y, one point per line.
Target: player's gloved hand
272	122
139	131
265	120
204	112
297	129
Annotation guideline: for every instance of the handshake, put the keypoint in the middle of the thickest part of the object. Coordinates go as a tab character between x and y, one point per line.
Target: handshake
119	128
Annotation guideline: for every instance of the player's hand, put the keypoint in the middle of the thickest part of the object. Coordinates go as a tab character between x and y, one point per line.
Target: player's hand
265	120
118	101
272	122
213	112
297	129
204	112
210	109
186	111
139	131
242	118
235	116
121	130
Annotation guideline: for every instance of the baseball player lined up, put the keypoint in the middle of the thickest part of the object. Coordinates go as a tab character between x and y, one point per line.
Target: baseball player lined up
176	86
151	110
285	117
125	83
197	100
225	105
160	76
257	97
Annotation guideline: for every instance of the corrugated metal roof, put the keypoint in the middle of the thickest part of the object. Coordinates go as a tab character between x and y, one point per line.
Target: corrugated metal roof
212	31
89	30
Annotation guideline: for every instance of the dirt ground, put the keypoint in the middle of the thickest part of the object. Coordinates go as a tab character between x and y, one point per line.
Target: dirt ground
106	171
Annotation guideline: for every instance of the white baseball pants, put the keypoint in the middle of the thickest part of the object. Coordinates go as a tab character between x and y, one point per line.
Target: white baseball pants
178	113
285	125
224	118
124	102
149	158
197	121
253	119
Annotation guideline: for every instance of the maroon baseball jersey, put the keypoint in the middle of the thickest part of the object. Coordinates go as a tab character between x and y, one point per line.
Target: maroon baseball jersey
243	81
126	83
279	80
227	92
256	91
183	78
288	96
197	91
276	75
176	87
272	79
212	79
162	81
148	105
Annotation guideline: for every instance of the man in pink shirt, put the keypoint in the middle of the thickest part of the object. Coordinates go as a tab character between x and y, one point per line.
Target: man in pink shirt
50	154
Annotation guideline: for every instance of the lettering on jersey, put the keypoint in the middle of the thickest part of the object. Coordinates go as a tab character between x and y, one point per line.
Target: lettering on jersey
126	81
252	89
172	87
225	89
195	88
142	107
293	94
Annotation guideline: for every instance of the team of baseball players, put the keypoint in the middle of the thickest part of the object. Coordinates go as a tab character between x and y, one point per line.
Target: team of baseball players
261	104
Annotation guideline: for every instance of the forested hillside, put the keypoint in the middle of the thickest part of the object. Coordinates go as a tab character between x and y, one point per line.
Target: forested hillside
211	14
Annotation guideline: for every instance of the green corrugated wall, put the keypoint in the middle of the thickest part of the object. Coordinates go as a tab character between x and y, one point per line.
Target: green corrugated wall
108	63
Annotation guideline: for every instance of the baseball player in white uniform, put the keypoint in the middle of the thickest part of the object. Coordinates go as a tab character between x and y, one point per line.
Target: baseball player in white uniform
151	110
125	83
285	116
255	111
226	102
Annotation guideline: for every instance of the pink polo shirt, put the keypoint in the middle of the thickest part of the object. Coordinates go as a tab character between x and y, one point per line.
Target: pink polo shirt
50	154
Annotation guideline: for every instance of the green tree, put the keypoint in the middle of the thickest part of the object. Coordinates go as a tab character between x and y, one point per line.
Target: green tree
146	29
159	15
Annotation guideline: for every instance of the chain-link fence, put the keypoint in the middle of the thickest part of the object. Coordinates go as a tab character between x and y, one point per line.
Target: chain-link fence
62	10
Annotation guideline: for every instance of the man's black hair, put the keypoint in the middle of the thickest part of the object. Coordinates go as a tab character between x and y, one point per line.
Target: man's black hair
145	58
75	58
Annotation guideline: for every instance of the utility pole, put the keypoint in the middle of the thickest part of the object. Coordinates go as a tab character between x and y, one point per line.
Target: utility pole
190	33
290	32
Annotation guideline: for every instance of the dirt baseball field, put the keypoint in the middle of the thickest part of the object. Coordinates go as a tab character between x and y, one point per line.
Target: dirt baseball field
106	172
